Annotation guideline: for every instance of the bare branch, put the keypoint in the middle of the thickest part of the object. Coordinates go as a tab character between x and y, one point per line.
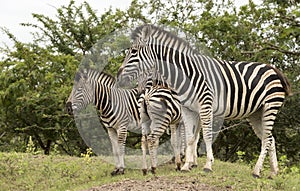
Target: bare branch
272	47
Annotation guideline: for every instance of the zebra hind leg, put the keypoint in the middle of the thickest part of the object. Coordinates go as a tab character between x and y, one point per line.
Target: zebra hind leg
262	123
273	159
176	144
146	122
153	143
144	150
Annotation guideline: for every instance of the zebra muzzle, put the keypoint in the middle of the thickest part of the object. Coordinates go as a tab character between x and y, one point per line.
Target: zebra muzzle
69	108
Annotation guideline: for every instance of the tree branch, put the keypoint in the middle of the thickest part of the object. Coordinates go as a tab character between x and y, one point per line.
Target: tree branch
272	47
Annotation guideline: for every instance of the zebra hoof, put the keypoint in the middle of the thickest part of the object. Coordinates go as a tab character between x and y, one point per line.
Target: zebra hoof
183	169
270	177
207	170
255	175
153	169
177	167
117	171
144	172
194	166
121	171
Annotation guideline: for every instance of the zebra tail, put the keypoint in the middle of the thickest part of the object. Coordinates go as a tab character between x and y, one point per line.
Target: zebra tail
284	81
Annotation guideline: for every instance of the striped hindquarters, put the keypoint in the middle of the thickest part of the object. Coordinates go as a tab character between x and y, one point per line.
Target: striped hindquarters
162	106
250	85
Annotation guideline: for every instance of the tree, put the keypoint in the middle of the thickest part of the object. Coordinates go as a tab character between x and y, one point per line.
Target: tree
37	77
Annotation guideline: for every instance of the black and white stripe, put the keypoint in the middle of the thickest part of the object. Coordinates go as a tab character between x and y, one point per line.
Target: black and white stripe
209	89
159	109
118	108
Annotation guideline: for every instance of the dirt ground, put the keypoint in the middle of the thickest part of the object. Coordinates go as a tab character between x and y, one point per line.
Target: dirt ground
158	183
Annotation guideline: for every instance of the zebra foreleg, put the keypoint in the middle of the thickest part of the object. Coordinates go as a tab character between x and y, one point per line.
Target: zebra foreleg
210	157
115	147
206	124
189	154
191	122
118	139
122	135
195	150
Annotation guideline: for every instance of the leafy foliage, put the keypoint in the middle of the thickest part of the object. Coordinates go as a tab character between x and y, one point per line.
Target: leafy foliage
36	78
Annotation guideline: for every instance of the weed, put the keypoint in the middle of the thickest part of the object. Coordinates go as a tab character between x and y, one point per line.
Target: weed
241	155
87	155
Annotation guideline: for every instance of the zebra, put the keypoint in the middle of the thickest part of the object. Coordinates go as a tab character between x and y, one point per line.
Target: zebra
208	89
117	108
159	109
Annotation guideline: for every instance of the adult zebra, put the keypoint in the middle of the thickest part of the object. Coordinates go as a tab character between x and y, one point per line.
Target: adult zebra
159	109
209	88
117	108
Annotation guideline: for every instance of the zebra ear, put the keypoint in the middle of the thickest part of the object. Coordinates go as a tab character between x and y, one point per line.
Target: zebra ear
84	74
77	76
81	74
146	33
84	71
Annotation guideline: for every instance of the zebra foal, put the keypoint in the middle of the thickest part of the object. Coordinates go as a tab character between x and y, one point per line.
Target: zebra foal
159	109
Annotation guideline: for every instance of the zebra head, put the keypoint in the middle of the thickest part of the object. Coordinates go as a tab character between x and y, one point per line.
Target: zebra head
139	59
83	92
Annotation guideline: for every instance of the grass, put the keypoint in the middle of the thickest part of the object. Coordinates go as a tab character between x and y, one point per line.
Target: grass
21	171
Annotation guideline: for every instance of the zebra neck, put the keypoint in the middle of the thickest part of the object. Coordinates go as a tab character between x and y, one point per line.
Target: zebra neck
103	99
179	77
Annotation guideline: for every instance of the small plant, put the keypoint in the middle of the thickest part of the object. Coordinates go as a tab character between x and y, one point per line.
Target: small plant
241	155
30	148
87	155
55	150
282	162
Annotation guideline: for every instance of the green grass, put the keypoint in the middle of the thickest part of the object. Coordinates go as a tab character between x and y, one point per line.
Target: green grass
20	171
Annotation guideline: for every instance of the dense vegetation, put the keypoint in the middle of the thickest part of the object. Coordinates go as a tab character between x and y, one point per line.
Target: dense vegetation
36	78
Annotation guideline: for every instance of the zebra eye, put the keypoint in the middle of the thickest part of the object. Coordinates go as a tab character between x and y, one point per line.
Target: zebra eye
126	51
134	51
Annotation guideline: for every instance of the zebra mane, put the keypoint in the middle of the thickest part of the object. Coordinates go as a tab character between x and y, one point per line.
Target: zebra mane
101	77
148	31
151	79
